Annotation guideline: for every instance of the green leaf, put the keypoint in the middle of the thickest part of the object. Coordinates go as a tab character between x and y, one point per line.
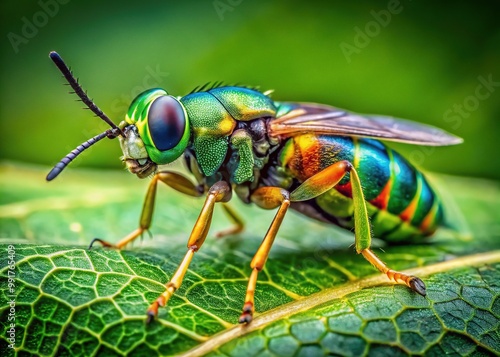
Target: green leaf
315	295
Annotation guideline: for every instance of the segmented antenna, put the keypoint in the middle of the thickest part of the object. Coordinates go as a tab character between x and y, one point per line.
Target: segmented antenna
73	82
110	133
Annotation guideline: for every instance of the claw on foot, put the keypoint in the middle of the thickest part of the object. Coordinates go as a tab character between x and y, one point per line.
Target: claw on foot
417	285
103	242
151	313
153	309
245	318
247	315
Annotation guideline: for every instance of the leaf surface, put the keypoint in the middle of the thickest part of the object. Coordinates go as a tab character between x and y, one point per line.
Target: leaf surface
315	295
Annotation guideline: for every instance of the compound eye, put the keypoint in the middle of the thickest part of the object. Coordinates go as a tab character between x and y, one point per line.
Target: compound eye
166	122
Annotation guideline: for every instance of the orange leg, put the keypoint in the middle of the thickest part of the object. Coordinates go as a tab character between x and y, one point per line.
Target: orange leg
266	197
219	192
172	179
238	224
413	282
272	197
328	178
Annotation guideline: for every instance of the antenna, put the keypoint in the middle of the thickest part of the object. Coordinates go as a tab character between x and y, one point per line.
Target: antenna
73	82
110	133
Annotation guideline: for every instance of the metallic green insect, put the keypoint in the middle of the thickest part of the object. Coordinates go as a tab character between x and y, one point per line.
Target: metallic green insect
322	161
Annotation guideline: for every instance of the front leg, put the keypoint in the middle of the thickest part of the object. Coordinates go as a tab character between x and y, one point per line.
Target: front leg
172	179
219	192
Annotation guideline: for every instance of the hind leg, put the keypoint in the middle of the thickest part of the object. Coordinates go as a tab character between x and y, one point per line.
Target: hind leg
329	178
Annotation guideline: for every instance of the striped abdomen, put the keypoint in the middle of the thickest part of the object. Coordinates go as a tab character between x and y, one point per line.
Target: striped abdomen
402	204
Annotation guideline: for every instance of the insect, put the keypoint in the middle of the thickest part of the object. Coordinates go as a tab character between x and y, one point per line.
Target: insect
319	160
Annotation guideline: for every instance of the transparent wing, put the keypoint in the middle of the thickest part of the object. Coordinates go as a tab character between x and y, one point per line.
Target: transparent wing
324	119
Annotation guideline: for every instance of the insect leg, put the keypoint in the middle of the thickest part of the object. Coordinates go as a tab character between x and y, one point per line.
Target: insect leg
265	197
172	179
363	239
219	192
238	223
328	178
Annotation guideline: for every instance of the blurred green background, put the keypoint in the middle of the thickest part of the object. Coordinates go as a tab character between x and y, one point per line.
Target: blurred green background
435	63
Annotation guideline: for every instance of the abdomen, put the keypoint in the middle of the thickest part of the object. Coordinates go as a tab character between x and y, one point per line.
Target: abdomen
401	203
